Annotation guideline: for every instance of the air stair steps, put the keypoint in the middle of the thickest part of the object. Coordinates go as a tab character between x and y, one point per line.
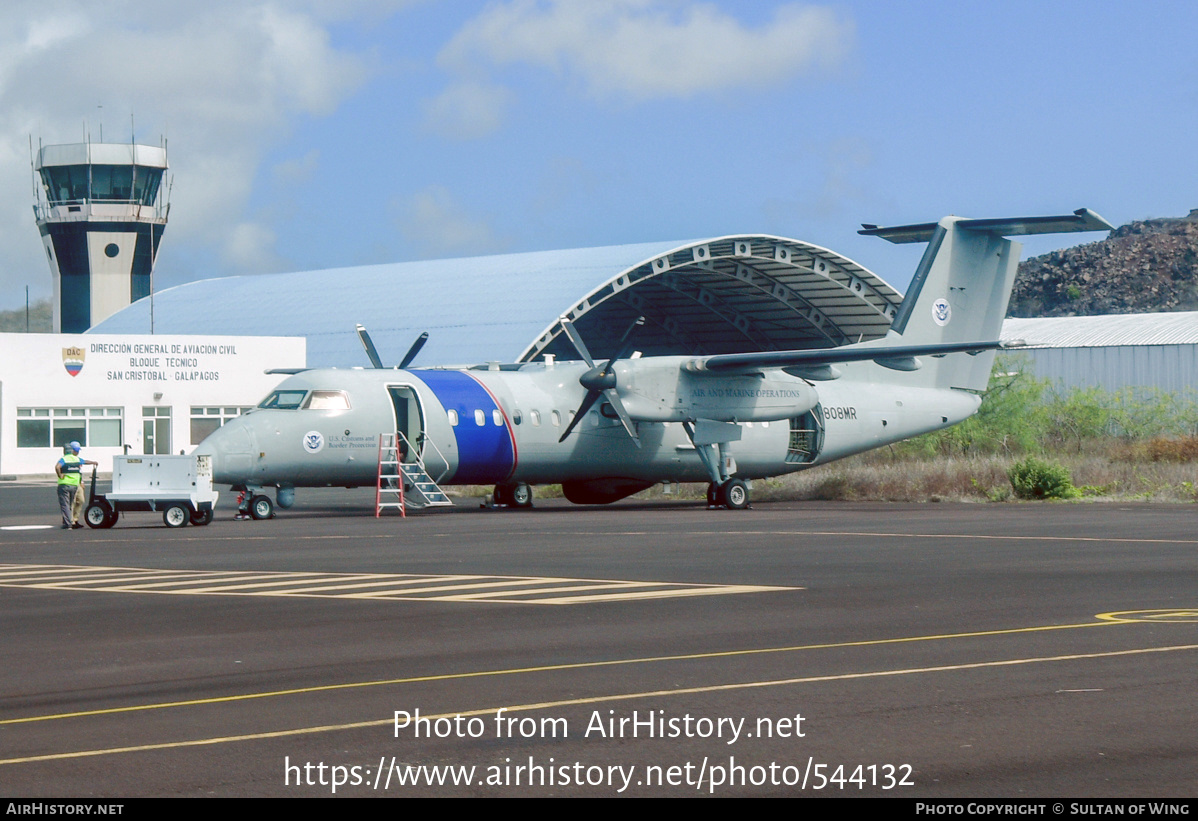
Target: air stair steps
401	484
422	490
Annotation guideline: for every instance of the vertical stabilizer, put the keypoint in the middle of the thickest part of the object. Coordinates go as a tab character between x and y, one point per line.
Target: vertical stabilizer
962	286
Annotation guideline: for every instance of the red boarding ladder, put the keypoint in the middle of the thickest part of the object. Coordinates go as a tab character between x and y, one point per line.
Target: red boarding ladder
390	477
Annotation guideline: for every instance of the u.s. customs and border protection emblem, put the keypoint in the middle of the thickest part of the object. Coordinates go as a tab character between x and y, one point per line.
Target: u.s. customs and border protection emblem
941	312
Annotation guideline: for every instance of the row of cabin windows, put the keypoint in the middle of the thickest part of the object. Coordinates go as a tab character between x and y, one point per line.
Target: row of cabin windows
534	418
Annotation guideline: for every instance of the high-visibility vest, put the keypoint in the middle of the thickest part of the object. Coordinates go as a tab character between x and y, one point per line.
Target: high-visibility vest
72	470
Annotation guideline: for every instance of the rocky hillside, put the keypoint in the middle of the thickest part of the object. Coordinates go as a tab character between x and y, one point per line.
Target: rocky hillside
1141	267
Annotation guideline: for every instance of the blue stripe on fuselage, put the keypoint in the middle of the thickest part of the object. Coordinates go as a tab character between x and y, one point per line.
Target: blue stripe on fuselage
486	453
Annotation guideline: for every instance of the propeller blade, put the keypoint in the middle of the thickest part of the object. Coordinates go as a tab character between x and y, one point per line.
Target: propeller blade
412	351
581	412
579	345
625	342
613	399
371	353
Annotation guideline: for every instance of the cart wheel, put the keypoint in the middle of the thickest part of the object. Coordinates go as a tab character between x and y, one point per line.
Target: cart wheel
261	507
175	516
99	514
201	517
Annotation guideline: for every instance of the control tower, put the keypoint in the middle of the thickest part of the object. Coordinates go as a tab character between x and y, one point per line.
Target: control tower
101	209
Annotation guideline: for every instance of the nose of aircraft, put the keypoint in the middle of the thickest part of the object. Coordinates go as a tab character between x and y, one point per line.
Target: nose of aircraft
232	448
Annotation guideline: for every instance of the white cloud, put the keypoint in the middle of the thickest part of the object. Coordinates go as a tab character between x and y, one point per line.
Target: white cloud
251	246
222	80
645	49
437	225
467	110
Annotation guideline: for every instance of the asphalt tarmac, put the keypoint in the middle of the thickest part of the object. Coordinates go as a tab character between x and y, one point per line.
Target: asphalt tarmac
819	649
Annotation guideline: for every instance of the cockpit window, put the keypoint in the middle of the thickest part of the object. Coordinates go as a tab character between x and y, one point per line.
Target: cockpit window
283	400
327	400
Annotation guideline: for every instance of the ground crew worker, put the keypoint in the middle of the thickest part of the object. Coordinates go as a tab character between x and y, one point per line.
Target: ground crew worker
70	485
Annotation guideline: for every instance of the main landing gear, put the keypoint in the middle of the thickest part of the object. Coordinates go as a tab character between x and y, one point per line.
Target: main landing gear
518	494
732	494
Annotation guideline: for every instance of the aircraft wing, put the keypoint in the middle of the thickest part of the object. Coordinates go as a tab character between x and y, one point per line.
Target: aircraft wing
812	358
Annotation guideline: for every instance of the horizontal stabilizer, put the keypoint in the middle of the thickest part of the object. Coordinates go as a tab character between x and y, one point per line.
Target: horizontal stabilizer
889	355
1082	219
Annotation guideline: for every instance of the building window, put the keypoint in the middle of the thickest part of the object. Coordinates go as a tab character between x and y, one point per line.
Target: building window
55	427
205	420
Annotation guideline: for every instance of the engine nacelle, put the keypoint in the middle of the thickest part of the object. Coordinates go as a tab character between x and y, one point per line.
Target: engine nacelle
667	394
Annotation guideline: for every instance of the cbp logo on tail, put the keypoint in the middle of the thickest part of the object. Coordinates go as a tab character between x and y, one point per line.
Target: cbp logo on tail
72	360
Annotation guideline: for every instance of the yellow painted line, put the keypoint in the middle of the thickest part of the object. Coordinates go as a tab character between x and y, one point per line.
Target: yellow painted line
574	702
548	668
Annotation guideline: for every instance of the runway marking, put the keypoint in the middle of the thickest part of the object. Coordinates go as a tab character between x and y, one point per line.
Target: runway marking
550	590
1181	616
574	702
324	688
27	527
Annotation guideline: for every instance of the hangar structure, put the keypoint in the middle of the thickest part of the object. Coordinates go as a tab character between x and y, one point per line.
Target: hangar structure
730	294
1114	351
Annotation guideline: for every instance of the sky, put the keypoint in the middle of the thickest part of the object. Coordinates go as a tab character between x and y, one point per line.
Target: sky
313	134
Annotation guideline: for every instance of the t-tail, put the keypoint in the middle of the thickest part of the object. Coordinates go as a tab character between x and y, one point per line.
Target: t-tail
962	287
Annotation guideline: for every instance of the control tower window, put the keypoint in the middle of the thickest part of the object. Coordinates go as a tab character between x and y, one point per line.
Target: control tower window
103	183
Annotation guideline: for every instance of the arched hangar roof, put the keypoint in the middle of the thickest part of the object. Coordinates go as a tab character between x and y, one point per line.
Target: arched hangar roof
729	294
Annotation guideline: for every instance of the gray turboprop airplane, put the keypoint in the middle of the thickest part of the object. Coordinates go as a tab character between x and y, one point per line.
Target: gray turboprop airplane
607	430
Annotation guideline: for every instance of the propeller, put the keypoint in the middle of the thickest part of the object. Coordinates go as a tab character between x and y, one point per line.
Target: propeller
601	381
373	355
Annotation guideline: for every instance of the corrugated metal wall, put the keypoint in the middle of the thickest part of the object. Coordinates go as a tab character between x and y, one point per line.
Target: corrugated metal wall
1164	367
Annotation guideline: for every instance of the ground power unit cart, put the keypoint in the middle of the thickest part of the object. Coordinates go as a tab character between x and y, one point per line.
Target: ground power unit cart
179	486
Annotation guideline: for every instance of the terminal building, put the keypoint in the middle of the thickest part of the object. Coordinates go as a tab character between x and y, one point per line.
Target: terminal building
126	393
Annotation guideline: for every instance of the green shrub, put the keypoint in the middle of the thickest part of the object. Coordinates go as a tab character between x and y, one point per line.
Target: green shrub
1035	479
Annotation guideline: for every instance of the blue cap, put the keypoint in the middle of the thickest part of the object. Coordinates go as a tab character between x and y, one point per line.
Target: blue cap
75	446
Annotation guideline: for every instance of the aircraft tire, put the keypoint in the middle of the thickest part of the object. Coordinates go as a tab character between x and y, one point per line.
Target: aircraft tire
713	494
520	494
201	517
176	516
734	494
502	495
261	507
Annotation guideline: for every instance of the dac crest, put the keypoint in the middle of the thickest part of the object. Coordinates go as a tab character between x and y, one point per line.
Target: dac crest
72	360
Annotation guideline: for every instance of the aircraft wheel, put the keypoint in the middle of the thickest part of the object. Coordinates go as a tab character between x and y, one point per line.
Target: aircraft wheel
175	516
99	514
713	494
261	507
502	495
735	494
521	494
201	517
